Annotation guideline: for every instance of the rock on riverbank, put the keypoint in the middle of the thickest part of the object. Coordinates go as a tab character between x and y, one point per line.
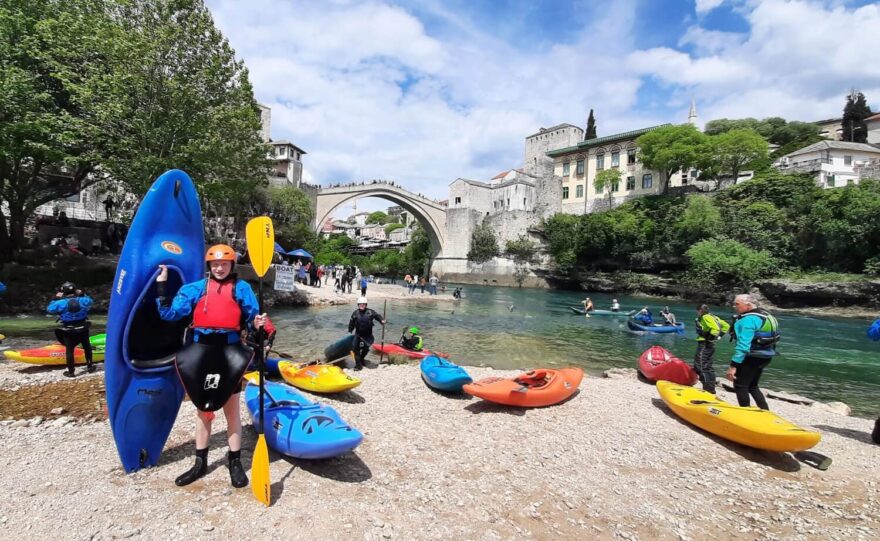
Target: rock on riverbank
611	463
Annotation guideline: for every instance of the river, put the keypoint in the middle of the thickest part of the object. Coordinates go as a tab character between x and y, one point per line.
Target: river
827	358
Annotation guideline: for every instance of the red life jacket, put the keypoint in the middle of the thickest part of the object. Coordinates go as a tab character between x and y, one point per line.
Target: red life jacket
218	309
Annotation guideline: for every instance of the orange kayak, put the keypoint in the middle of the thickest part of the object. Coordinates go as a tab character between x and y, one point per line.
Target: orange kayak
534	389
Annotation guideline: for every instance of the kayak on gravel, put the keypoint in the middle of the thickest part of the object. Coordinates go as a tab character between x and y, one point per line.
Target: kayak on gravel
443	375
533	389
656	364
52	355
749	426
396	349
317	378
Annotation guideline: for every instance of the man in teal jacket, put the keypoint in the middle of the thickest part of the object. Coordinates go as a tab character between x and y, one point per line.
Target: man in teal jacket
756	333
874	334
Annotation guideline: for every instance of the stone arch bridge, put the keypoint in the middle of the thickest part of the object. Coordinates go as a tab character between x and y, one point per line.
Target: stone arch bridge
430	214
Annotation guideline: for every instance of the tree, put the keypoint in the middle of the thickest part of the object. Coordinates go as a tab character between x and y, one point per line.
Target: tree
392	227
523	252
591	127
606	180
377	217
735	149
855	112
670	149
417	254
701	220
724	262
484	245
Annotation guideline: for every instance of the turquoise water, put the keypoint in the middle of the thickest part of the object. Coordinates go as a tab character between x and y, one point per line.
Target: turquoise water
827	358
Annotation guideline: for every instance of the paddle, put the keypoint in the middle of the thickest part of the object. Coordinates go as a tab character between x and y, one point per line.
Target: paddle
814	459
290	357
254	377
261	247
384	313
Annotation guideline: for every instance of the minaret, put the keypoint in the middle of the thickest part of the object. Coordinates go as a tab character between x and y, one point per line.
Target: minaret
692	114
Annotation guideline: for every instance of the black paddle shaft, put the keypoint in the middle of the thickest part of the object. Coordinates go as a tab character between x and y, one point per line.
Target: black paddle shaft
261	364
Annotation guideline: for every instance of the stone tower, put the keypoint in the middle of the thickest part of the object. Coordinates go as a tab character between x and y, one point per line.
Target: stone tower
547	139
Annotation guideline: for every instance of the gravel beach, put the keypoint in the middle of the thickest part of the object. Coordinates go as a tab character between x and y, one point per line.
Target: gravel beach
611	463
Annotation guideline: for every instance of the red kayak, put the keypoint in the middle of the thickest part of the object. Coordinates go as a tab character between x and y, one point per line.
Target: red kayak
657	364
396	349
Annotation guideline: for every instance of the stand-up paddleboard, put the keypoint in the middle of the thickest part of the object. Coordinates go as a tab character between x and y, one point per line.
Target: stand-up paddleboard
143	390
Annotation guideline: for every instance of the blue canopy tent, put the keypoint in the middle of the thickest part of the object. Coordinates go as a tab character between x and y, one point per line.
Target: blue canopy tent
299	252
279	249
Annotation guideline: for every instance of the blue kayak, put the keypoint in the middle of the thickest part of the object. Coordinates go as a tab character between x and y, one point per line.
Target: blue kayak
656	327
443	375
271	364
298	427
143	390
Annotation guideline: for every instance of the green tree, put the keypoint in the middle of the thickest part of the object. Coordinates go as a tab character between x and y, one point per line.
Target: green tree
591	127
377	217
724	262
563	238
392	227
855	112
484	245
417	254
701	220
672	148
606	180
735	149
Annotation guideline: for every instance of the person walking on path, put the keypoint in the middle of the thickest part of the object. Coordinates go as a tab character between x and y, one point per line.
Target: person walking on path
361	322
874	334
72	306
756	334
363	285
433	283
211	367
709	328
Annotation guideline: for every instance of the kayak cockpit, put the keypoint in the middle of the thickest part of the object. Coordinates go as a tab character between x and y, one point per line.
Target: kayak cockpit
150	342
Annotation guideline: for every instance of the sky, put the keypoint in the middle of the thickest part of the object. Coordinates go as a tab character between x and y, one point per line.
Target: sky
425	91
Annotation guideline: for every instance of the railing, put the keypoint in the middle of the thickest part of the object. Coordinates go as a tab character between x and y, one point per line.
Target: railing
806	165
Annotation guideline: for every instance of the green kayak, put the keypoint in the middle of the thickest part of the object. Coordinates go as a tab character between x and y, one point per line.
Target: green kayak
608	313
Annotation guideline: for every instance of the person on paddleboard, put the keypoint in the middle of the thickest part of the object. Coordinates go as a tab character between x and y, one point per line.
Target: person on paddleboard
72	306
211	367
588	305
756	334
615	306
361	322
874	334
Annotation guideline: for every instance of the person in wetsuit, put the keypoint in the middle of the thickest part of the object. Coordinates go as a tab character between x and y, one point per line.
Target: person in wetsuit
361	322
211	367
411	339
72	306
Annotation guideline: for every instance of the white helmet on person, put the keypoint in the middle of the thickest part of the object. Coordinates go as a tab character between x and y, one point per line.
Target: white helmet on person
362	300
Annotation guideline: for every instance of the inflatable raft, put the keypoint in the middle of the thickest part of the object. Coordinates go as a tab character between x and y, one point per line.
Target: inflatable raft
658	328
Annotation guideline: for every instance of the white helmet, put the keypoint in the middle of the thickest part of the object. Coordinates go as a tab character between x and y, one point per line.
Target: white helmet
362	300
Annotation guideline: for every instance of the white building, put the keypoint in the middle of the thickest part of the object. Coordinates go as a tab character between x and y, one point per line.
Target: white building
507	191
287	164
833	163
873	123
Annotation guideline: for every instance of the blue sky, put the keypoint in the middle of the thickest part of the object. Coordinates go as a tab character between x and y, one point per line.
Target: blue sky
424	91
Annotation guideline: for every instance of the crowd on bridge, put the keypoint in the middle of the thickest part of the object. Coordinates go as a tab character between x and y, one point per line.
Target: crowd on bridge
374	181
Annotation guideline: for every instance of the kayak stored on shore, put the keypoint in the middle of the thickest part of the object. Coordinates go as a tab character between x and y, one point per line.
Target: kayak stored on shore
659	328
656	364
534	389
752	427
340	348
317	378
297	427
52	355
143	390
396	349
443	375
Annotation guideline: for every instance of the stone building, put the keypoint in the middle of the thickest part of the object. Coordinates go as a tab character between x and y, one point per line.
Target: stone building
832	163
287	164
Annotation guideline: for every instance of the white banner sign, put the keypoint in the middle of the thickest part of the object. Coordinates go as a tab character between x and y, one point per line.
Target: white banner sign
284	275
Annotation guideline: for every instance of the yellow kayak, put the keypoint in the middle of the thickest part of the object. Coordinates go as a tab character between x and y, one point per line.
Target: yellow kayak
317	378
753	427
51	355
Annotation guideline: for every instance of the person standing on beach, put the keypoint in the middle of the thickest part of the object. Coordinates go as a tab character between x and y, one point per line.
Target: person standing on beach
756	333
211	367
72	306
874	334
433	284
413	284
363	285
361	322
422	283
709	329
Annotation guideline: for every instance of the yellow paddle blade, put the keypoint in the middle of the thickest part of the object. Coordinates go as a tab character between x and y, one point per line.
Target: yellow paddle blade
260	243
260	484
252	377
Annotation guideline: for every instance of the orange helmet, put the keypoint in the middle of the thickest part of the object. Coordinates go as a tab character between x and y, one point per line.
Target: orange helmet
220	252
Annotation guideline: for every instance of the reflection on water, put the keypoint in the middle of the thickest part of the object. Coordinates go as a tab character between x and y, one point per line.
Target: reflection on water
824	358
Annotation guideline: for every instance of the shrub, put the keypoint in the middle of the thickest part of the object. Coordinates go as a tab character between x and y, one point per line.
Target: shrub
719	262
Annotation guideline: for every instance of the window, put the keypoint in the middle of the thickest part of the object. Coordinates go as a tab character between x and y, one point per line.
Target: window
565	192
75	198
615	159
631	156
508	202
566	169
630	183
850	182
847	160
600	161
829	181
684	178
615	186
524	202
457	200
647	181
580	190
580	167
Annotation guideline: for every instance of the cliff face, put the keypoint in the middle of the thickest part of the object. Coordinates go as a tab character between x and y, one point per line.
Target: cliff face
792	294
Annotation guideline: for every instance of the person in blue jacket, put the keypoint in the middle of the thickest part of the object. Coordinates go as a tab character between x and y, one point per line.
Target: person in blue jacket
2	288
644	317
72	306
756	333
874	334
212	366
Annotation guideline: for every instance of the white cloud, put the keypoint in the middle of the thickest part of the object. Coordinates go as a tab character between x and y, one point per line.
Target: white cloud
705	6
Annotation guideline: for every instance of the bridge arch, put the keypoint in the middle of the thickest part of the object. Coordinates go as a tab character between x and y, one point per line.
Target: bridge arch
430	214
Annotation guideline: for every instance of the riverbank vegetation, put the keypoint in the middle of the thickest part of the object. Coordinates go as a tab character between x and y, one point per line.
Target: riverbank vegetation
774	225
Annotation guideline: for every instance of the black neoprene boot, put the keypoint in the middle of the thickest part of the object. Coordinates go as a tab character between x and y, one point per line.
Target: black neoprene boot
90	367
876	434
198	470
236	470
69	373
